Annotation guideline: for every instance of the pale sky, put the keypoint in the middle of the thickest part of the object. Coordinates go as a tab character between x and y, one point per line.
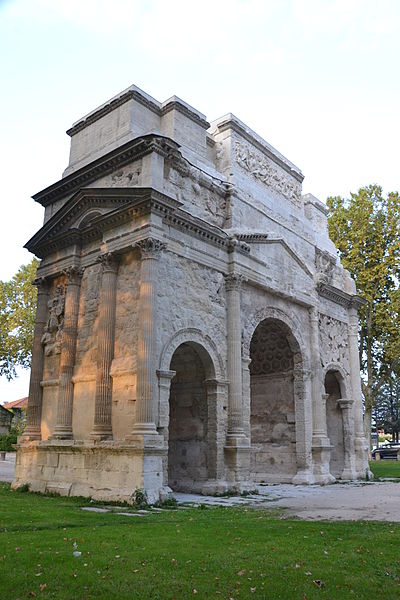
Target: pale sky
318	79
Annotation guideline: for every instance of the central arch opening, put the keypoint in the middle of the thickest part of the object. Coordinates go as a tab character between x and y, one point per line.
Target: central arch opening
272	416
188	420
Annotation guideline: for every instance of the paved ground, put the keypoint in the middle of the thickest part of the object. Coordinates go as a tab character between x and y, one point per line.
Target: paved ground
7	467
344	501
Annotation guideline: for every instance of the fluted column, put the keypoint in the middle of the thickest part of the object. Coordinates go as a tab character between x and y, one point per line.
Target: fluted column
63	428
360	443
146	397
233	284
320	443
33	419
102	426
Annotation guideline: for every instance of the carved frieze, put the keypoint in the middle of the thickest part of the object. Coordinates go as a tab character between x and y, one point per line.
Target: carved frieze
51	338
333	340
263	169
193	187
126	177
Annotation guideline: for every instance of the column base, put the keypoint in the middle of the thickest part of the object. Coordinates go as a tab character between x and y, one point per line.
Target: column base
100	434
321	453
361	458
238	462
237	439
30	435
303	477
61	433
348	474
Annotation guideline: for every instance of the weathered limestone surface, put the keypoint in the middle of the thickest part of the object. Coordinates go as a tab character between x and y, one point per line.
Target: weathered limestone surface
195	328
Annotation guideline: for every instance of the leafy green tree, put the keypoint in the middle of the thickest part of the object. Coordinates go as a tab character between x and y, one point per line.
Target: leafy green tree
17	319
366	231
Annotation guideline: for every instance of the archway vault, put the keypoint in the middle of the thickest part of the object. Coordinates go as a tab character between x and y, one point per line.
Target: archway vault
205	347
291	324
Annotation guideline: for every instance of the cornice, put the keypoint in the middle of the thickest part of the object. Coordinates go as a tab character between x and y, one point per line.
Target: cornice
104	165
199	228
339	296
59	232
131	94
135	94
185	110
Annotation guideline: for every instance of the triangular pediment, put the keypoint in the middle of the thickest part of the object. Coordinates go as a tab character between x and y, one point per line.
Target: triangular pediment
89	212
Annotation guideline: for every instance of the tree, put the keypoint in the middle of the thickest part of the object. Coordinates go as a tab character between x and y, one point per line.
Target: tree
17	319
366	231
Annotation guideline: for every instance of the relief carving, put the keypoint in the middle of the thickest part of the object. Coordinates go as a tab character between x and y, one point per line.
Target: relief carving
51	339
333	340
126	178
264	170
325	265
191	187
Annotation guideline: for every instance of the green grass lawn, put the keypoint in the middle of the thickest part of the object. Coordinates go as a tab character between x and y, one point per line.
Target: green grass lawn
385	468
205	553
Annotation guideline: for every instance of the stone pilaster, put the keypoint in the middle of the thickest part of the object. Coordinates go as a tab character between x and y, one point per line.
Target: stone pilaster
346	406
360	443
146	396
63	428
233	284
102	426
321	446
33	419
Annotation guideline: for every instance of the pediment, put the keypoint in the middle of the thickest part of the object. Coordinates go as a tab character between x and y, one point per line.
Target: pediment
91	211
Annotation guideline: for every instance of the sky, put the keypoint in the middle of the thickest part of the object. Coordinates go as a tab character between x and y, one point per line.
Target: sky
318	79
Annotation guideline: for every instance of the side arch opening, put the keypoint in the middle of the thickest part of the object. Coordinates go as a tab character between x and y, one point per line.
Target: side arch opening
188	447
334	421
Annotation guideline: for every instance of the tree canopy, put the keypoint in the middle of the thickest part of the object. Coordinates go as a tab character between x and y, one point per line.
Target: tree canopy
17	319
366	231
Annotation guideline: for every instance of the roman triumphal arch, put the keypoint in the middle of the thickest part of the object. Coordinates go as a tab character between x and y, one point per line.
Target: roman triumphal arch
195	329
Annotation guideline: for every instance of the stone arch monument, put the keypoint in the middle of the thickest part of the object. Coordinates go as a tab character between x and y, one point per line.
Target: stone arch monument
195	329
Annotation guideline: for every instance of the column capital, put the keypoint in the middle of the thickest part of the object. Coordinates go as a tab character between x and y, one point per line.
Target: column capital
73	275
166	375
42	284
109	261
234	281
150	247
345	403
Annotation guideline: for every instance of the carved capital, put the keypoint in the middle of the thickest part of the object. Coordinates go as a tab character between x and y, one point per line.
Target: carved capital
233	281
42	284
109	261
73	275
150	247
